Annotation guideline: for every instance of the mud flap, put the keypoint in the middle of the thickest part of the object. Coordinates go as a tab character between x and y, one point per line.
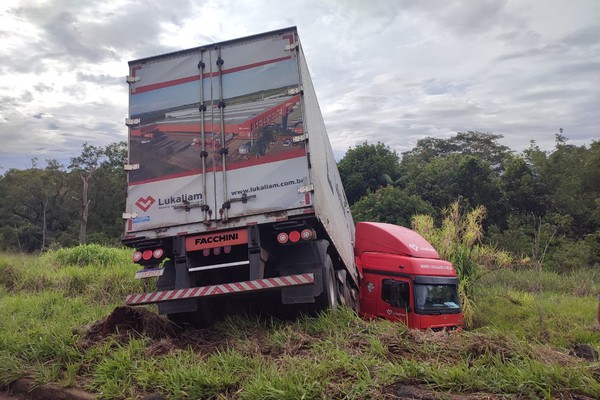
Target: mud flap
175	276
300	259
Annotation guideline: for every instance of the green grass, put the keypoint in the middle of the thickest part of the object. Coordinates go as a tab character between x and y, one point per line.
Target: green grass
525	324
89	255
105	284
562	313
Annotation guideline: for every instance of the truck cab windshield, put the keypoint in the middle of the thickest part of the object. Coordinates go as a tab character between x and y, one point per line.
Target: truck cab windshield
436	298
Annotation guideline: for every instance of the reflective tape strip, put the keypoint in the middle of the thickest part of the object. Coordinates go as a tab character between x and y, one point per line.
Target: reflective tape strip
216	290
270	283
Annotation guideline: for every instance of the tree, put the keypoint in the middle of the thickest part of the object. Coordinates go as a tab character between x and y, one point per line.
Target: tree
524	193
566	182
107	196
445	179
86	165
362	168
43	207
32	200
483	145
392	205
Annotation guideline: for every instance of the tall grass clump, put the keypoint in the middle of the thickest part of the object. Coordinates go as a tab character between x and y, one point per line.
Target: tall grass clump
458	240
90	254
60	272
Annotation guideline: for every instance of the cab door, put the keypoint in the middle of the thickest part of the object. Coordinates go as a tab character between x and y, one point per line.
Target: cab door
394	300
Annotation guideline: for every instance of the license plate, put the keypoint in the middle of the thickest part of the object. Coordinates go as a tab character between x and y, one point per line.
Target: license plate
149	273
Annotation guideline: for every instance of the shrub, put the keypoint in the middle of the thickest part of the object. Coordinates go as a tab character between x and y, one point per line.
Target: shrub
458	240
89	254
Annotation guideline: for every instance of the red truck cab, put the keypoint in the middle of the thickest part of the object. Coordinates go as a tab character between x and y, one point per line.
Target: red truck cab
404	279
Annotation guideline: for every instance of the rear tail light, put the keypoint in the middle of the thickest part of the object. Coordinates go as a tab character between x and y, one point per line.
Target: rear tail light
158	253
137	256
294	236
282	238
307	234
216	251
147	255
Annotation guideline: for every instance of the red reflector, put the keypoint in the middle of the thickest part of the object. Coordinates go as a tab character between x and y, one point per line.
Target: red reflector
217	251
306	234
147	255
158	253
282	238
137	256
294	236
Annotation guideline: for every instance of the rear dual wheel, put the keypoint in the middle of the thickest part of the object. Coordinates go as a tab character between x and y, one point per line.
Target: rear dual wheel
328	299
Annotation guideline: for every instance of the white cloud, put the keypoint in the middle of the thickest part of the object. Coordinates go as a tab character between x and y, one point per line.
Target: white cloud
393	71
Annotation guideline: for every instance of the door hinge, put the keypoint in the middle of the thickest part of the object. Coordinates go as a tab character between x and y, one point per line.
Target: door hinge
295	90
292	46
307	188
133	79
131	167
130	215
130	122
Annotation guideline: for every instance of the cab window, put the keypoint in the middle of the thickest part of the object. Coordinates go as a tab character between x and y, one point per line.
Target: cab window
396	293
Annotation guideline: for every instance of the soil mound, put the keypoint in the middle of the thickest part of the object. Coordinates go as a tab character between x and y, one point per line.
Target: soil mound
129	321
163	335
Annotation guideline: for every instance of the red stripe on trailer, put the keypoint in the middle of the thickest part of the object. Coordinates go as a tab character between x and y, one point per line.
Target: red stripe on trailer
216	290
291	281
261	284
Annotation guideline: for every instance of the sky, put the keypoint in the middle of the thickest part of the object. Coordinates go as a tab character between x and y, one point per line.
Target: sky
393	71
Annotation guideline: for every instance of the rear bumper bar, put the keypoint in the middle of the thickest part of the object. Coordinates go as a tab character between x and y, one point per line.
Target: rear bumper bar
218	290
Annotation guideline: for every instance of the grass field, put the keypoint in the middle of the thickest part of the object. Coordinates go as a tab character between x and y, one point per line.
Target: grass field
61	321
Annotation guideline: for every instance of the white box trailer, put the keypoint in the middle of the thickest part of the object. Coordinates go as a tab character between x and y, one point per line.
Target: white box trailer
232	181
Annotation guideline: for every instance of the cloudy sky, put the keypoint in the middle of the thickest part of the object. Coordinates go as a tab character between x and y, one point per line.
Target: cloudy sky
384	70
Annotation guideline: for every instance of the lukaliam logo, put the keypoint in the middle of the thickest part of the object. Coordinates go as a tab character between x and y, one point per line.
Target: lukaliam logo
183	198
145	203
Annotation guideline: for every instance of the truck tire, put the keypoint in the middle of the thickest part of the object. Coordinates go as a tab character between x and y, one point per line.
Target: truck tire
347	292
201	318
205	315
351	296
328	299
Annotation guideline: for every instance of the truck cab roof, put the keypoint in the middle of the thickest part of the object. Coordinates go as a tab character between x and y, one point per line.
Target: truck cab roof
380	237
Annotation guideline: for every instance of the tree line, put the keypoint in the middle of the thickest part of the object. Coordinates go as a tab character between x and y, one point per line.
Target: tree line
543	206
60	206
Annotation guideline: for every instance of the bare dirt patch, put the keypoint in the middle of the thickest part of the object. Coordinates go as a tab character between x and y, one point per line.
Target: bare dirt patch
163	336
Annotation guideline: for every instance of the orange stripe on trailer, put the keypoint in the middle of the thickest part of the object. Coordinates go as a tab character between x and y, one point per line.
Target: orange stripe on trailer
218	290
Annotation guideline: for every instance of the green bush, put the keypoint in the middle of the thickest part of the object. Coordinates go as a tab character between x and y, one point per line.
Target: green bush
89	254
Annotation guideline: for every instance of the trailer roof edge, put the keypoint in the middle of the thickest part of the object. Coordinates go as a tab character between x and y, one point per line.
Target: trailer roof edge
225	42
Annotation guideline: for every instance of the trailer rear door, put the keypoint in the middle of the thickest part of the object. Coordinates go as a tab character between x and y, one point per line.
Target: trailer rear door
212	130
